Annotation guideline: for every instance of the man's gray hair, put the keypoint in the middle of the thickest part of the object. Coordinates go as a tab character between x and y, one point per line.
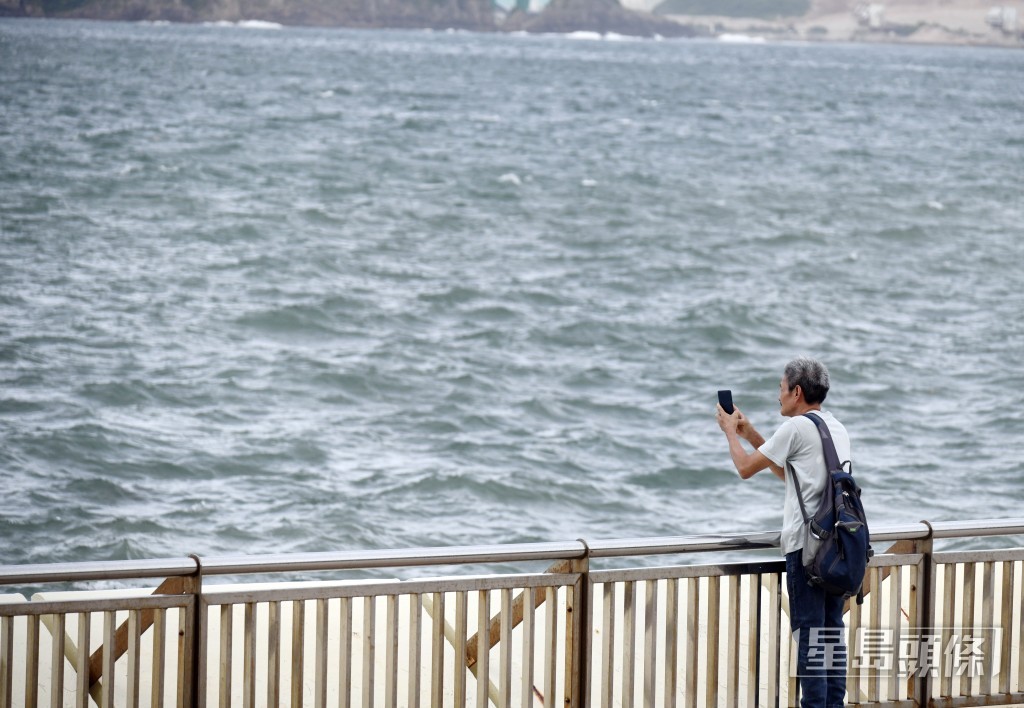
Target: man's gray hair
810	375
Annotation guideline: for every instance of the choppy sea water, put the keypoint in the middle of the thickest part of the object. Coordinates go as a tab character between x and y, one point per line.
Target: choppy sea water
306	290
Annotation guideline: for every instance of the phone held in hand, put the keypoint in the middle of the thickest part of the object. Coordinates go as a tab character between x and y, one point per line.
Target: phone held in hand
725	400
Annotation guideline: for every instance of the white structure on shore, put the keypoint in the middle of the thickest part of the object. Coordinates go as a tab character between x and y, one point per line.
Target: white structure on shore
872	15
1003	18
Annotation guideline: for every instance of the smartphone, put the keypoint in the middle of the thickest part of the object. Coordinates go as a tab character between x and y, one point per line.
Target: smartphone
725	400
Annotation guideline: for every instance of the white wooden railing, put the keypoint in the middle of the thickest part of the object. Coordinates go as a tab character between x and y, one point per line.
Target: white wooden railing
566	633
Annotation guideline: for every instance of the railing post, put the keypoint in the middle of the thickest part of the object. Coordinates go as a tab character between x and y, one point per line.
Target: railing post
194	689
926	606
579	627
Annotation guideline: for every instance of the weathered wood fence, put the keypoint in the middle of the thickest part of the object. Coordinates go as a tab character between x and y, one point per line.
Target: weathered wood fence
936	628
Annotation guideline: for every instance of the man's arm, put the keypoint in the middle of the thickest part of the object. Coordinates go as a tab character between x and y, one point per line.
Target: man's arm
756	440
736	427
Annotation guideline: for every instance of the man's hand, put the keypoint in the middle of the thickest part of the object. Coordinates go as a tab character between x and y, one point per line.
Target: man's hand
745	429
732	424
735	427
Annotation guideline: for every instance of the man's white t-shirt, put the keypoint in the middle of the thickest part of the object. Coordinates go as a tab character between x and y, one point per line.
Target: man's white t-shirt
798	442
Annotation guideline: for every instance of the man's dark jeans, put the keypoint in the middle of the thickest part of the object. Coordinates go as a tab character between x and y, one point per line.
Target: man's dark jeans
821	652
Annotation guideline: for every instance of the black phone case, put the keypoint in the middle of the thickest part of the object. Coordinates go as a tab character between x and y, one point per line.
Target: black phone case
725	399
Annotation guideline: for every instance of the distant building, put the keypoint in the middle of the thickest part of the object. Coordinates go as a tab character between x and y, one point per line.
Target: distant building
1003	18
871	15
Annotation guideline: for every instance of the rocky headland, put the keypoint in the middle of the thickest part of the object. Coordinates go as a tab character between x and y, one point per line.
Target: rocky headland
598	16
437	14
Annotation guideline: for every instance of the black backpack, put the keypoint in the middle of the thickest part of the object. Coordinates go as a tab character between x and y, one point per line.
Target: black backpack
838	543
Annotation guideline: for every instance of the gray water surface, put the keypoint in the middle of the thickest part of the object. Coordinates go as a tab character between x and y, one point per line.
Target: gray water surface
308	290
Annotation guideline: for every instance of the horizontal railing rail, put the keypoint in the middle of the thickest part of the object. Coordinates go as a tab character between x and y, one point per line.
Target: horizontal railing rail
572	635
465	555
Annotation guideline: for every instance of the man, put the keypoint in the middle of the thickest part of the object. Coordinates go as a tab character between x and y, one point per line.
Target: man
796	449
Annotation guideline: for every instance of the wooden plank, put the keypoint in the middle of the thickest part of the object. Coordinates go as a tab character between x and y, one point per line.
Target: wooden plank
57	648
773	642
650	641
226	640
949	599
551	645
461	622
608	645
753	640
345	654
186	641
988	615
82	683
967	619
132	652
274	630
853	688
875	623
437	651
895	624
108	661
493	635
6	660
712	648
628	641
249	657
692	638
671	641
415	648
32	661
732	648
1010	591
505	651
391	652
483	654
298	650
494	625
158	659
323	623
528	650
170	586
369	647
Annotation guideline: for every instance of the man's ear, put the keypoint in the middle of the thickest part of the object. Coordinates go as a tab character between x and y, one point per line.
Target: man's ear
798	392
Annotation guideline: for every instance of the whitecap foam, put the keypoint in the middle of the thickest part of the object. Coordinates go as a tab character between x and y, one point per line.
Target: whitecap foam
936	205
588	183
589	36
740	38
260	24
246	24
510	178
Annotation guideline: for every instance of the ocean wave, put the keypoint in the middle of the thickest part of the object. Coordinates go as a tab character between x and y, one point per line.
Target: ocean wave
734	38
246	24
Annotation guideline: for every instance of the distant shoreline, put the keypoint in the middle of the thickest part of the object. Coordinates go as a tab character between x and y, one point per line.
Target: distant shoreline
830	29
926	22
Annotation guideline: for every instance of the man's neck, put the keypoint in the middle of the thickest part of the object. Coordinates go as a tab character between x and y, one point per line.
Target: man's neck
807	409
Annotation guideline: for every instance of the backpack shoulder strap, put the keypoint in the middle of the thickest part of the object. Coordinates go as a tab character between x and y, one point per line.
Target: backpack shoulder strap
831	459
799	494
829	447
